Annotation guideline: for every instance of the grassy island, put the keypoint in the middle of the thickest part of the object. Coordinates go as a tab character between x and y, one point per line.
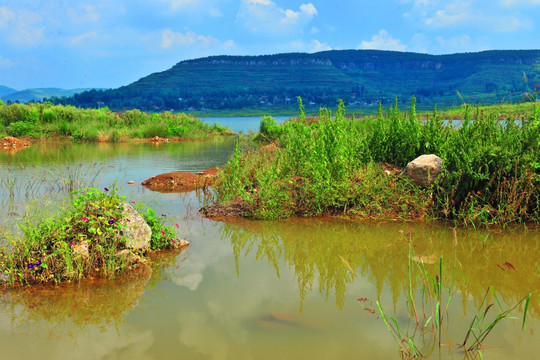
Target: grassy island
91	236
44	120
338	165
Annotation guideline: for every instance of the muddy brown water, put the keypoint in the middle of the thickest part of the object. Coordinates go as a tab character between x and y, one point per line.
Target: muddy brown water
291	289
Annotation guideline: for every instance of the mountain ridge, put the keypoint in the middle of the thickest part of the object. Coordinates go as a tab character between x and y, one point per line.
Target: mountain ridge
357	76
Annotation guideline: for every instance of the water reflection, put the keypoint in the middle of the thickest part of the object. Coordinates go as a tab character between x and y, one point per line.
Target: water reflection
314	251
94	302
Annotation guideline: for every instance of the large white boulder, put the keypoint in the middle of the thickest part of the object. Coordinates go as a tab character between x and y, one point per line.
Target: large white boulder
424	170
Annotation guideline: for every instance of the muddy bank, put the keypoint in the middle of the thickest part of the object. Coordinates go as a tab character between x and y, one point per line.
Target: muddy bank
11	144
180	181
234	210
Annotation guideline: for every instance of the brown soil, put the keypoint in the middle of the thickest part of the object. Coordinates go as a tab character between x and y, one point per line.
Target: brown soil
235	210
11	144
179	181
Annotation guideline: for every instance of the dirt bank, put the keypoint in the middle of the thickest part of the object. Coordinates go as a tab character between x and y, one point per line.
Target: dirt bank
180	181
11	144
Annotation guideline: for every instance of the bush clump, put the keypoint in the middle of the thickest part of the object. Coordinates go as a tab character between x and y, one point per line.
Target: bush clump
335	164
85	238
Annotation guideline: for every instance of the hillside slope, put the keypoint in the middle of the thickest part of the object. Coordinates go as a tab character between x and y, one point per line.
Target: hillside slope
39	94
356	76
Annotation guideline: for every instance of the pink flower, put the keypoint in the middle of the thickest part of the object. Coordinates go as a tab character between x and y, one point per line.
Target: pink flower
178	227
162	232
174	242
72	244
133	202
85	219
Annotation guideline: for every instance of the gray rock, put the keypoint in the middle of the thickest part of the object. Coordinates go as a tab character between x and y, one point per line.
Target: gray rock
424	170
81	250
134	229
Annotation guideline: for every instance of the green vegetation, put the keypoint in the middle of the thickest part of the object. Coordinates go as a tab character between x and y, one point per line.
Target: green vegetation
331	164
44	120
361	78
84	239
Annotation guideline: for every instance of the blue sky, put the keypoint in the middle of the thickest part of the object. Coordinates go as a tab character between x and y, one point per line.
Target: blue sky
110	43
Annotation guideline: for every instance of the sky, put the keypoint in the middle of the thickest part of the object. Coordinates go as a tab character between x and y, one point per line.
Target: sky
110	43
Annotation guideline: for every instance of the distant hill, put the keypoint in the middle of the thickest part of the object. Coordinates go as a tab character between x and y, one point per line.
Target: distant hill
359	77
37	94
4	90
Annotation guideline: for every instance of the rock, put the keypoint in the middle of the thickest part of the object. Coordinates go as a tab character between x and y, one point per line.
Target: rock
134	229
424	170
80	250
128	257
181	243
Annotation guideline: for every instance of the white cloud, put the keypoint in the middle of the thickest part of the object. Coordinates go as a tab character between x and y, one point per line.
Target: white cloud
312	46
419	43
5	63
266	17
383	41
22	27
207	6
78	39
6	16
510	3
453	13
170	39
91	13
513	23
457	43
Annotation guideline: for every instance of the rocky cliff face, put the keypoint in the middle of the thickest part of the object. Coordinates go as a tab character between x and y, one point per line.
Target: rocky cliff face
370	60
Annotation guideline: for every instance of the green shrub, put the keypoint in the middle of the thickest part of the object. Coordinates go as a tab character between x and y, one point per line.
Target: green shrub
48	116
491	167
82	239
21	128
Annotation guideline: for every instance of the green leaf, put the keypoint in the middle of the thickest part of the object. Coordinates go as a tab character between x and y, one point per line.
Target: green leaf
150	212
525	311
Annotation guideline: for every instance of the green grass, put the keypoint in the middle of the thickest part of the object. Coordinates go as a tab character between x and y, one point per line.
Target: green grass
328	165
44	120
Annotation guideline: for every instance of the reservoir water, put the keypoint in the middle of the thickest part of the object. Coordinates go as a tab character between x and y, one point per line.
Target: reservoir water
290	289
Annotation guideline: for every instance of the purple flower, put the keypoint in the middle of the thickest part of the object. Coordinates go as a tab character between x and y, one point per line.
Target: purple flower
111	222
106	189
163	215
38	263
30	266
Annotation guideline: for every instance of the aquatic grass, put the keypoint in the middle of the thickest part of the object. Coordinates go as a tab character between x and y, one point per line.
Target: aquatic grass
55	178
434	296
481	327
